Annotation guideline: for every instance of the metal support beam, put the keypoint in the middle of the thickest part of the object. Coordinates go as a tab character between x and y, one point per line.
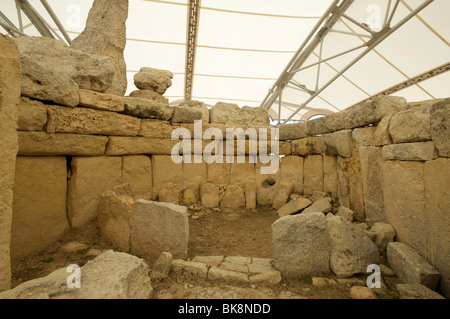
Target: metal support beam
191	46
56	20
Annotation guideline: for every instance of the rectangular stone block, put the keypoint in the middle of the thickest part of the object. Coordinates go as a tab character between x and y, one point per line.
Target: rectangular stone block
419	151
193	175
339	143
39	206
101	101
330	175
411	125
90	177
219	172
372	182
42	143
292	131
404	201
437	212
292	171
156	129
165	171
363	136
313	174
90	122
440	127
328	124
307	146
32	115
119	145
137	172
343	185
157	228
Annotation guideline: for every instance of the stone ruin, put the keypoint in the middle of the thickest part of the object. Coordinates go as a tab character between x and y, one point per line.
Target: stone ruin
371	180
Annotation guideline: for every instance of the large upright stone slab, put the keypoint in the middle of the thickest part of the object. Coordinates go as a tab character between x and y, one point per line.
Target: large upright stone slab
137	172
157	228
404	201
301	245
440	127
313	174
10	77
90	178
437	208
165	171
292	171
193	175
266	185
105	34
39	206
330	175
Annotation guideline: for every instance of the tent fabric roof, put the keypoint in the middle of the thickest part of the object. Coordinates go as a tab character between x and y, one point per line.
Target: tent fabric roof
243	46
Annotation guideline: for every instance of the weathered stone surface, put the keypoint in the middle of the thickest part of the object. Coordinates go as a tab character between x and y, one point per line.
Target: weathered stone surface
313	174
189	197
164	171
137	172
150	95
208	260
330	175
414	291
42	143
312	145
351	250
101	101
189	269
10	77
105	34
209	194
440	123
234	197
322	205
345	213
227	276
36	223
181	115
437	208
90	122
364	136
411	125
219	172
284	190
157	228
352	184
339	143
291	168
260	265
358	292
73	247
301	244
284	148
266	185
372	182
317	195
384	234
156	129
328	124
53	72
386	271
382	135
145	108
419	151
90	178
343	183
162	266
404	201
114	212
193	175
410	267
32	115
292	131
153	79
225	113
255	116
112	275
119	145
271	277
170	193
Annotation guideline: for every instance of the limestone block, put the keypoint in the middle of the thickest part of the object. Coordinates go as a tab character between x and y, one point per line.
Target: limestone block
382	135
225	113
157	228
219	172
410	267
217	274
105	34
284	148
193	175
153	79
101	101
292	171
345	213
384	234
437	208
189	197
114	212
137	172
37	223
162	266
339	143
90	178
372	182
313	174
145	108
330	175
119	145
156	129
10	77
351	250
255	116
209	194
418	151
271	277
404	201
150	95
312	145
112	275
293	206
293	131
322	205
189	269
284	191
250	194
170	193
32	115
164	171
343	183
352	180
301	245
90	122
331	123
440	123
414	291
266	185
411	125
234	197
187	112
364	136
208	260
359	292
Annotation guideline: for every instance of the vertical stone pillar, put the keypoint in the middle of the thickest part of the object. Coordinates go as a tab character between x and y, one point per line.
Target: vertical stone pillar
10	77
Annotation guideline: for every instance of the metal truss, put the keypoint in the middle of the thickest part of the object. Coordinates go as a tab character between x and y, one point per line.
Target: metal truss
315	40
191	46
36	19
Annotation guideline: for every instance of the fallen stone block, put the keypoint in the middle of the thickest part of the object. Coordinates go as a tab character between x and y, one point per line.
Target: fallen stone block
416	291
293	206
419	151
384	234
284	190
345	213
162	266
271	277
189	269
358	292
322	205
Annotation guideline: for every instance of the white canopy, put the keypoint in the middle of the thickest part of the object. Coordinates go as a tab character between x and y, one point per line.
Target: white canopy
244	45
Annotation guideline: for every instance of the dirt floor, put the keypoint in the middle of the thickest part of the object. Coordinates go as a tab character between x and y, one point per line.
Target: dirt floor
212	232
